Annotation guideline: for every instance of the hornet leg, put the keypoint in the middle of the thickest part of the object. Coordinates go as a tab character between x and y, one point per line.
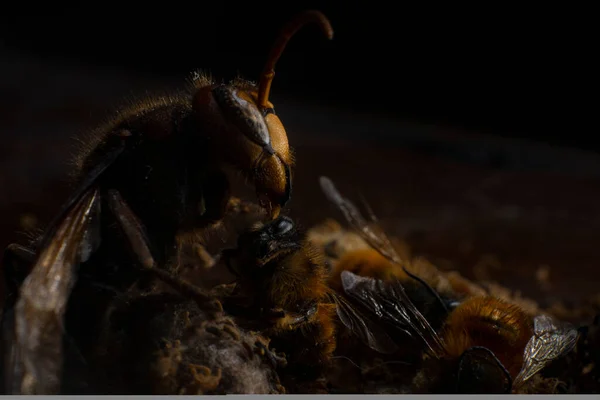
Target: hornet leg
138	241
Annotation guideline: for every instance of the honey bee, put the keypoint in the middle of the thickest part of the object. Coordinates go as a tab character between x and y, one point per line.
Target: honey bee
156	169
493	346
282	289
365	262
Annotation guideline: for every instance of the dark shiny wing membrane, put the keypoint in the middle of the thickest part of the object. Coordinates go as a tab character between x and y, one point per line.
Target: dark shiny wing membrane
371	233
551	339
35	361
480	372
82	188
388	302
370	333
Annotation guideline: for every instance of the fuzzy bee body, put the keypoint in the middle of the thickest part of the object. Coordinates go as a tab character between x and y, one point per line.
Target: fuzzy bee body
370	263
283	279
282	282
485	345
494	324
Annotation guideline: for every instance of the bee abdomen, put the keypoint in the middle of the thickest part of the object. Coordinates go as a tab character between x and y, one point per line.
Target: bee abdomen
492	323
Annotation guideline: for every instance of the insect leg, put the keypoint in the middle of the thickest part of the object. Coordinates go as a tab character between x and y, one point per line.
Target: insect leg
217	201
22	253
213	205
139	243
274	359
305	317
274	313
291	321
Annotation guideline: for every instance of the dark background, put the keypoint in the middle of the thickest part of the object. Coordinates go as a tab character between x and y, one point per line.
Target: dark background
511	71
467	130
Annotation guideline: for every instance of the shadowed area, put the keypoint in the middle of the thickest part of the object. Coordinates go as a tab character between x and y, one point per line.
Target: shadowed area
516	212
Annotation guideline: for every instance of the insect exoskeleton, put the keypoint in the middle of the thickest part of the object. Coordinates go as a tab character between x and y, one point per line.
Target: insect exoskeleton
282	289
154	170
485	345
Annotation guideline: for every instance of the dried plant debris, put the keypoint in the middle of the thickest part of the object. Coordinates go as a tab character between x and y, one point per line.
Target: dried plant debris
160	343
152	338
198	258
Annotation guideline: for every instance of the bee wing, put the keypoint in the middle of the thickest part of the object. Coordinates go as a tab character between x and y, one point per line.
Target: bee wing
358	323
389	302
371	233
35	360
551	339
373	294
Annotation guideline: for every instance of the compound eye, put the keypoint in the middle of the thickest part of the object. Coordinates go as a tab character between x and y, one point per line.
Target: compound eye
267	111
283	225
240	110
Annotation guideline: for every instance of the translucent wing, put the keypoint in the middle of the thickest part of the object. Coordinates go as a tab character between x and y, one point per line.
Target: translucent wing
388	302
371	233
551	339
36	354
358	323
375	294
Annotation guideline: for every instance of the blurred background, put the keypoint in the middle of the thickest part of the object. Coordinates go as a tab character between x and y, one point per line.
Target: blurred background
467	130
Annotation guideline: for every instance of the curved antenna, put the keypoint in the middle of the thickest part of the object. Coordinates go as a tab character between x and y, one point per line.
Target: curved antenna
266	78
